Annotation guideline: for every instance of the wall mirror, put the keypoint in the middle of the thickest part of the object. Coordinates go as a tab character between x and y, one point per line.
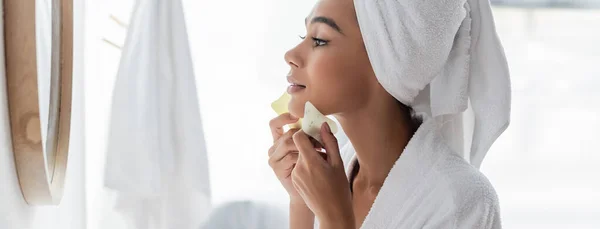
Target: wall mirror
39	62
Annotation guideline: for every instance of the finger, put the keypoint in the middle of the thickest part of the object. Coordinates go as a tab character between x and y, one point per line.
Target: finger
277	124
324	156
285	139
283	150
289	160
316	143
331	146
300	162
287	163
306	148
272	150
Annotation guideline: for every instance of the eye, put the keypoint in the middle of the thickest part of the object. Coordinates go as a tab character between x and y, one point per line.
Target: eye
319	42
302	37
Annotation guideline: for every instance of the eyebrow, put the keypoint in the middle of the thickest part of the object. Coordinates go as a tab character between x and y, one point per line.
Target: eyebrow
325	20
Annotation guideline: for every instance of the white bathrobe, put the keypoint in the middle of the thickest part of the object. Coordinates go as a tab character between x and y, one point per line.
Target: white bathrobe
430	186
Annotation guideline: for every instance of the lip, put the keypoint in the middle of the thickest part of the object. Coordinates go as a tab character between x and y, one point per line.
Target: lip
295	85
294	82
295	89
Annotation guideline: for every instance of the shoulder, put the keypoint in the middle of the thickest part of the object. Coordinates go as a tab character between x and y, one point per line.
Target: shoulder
464	182
474	198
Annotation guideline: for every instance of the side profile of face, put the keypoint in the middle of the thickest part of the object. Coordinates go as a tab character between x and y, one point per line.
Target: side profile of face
330	66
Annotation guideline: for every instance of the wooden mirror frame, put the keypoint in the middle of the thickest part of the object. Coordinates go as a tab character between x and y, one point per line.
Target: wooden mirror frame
41	183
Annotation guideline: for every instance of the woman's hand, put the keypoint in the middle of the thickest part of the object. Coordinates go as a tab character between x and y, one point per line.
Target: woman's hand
283	154
322	182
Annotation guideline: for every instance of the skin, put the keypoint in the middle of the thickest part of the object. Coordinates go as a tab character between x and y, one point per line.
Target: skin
338	78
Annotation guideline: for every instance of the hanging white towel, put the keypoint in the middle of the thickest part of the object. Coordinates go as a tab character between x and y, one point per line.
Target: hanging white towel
156	155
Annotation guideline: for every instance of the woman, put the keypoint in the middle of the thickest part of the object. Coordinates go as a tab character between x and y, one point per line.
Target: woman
370	64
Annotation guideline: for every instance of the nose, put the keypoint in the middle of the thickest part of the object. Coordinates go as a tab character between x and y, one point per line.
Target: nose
292	57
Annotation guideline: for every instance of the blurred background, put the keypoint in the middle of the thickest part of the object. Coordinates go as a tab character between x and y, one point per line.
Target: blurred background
545	167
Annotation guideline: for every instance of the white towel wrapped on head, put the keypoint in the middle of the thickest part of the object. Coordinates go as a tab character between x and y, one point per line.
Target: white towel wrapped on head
437	56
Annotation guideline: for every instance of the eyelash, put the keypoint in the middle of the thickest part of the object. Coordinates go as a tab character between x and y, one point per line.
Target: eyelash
316	41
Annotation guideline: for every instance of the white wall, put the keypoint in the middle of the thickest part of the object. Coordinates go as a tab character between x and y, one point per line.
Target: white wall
545	166
70	214
100	74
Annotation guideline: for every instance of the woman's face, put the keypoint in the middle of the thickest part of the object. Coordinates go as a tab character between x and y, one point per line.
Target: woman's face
330	66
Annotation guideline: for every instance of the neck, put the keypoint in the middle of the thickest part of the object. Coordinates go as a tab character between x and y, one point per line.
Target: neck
379	133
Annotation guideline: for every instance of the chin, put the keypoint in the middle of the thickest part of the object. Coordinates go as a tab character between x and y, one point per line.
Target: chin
296	107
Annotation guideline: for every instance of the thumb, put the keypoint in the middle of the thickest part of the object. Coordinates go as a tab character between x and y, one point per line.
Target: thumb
331	146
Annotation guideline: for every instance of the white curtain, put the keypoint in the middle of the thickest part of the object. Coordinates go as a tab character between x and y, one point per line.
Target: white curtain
544	167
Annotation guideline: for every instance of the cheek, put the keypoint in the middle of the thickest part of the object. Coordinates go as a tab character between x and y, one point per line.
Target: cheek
336	84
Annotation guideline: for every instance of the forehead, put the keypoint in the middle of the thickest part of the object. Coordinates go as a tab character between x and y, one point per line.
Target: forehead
342	11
